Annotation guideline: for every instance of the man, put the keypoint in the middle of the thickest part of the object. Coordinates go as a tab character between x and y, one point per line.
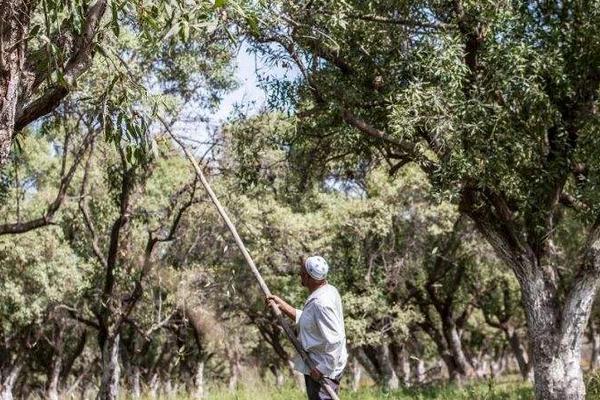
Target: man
320	329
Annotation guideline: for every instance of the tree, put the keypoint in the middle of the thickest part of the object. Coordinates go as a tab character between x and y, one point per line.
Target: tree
498	299
388	246
37	71
47	47
37	276
127	211
497	104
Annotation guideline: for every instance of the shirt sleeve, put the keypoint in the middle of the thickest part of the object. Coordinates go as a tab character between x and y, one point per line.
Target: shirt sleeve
298	314
331	337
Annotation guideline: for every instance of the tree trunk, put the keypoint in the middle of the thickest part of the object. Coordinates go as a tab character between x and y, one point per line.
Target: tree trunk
405	368
377	361
418	370
461	365
199	390
443	342
389	377
297	376
8	382
452	370
111	371
136	390
555	336
14	26
168	387
555	326
594	338
234	374
70	360
235	368
154	385
595	359
519	352
356	373
482	368
279	378
366	362
557	376
52	389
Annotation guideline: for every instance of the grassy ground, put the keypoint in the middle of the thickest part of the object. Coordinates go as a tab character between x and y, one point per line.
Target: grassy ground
487	391
511	388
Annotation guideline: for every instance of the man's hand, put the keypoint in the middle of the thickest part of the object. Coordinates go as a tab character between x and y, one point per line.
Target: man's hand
316	374
285	308
273	300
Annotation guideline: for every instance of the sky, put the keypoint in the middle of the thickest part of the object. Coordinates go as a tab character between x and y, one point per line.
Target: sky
248	93
249	97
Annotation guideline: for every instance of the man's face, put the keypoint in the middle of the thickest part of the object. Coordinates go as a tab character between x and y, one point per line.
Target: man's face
303	275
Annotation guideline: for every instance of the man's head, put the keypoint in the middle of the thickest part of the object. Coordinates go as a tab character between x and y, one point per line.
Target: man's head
313	271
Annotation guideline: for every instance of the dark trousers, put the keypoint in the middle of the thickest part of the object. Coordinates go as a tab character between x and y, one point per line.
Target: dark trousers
316	391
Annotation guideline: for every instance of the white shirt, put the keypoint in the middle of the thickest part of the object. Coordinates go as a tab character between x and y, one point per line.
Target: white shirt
321	332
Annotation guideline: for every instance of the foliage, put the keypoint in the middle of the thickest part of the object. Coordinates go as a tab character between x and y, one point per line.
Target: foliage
44	272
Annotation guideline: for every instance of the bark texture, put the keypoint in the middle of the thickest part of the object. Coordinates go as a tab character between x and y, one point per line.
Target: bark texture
111	370
25	94
53	382
14	27
555	328
594	339
8	382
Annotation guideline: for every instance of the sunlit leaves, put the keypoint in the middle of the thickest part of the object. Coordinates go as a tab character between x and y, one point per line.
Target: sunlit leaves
39	272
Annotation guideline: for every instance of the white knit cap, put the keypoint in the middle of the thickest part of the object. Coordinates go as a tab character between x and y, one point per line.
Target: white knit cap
317	267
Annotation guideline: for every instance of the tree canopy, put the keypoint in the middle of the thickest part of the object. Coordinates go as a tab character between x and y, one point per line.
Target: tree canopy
441	155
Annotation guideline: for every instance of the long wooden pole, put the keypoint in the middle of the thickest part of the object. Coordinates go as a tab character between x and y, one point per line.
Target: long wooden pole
265	289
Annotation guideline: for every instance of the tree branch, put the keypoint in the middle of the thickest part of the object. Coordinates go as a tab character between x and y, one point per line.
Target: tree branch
137	291
54	206
409	22
74	314
75	67
85	212
580	297
408	149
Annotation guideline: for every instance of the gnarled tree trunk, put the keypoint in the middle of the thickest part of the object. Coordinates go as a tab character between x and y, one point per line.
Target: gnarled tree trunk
356	373
8	382
594	338
52	389
199	386
555	342
378	363
555	325
136	389
111	370
389	377
462	366
418	369
519	352
14	26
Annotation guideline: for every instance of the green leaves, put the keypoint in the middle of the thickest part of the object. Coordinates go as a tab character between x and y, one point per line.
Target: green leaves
39	271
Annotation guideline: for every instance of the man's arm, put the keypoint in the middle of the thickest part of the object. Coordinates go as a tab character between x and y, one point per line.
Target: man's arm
285	308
